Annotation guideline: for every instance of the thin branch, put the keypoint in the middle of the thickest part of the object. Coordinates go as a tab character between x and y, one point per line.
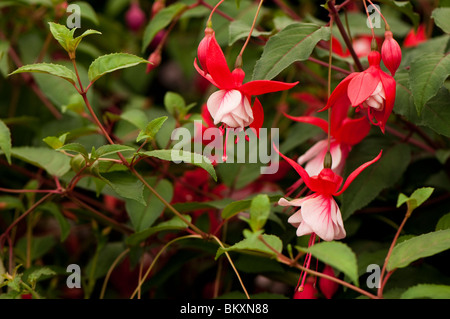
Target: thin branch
337	19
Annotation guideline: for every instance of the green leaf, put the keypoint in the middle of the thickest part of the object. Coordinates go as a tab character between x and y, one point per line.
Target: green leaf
176	223
377	177
240	30
33	277
183	156
418	247
151	129
126	185
426	77
64	225
78	39
406	8
253	244
109	149
112	62
2	272
143	216
430	291
294	43
136	117
339	256
87	12
440	16
175	105
10	202
435	114
76	148
48	68
443	222
191	206
417	198
161	20
259	211
39	246
53	162
5	141
63	35
236	207
4	59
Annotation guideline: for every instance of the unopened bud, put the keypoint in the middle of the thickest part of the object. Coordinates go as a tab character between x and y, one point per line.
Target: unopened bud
135	17
391	53
154	59
328	287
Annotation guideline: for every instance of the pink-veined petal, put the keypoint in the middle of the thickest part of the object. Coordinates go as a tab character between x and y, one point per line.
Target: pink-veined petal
356	172
295	202
265	86
295	219
362	86
316	121
222	102
320	214
313	152
304	229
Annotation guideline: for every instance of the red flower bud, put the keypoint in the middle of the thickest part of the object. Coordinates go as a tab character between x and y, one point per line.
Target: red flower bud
135	17
154	59
391	53
328	287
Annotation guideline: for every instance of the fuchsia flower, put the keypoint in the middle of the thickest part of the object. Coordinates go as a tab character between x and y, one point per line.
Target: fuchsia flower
231	105
319	211
345	133
372	90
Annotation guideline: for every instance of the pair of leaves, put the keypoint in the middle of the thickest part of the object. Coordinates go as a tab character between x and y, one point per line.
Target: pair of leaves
99	67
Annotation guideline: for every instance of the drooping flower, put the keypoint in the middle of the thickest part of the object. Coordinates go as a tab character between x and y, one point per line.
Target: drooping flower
372	90
319	213
345	133
231	105
391	53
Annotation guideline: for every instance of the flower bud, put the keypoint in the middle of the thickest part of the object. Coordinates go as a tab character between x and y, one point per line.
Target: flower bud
391	53
328	287
135	17
154	59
